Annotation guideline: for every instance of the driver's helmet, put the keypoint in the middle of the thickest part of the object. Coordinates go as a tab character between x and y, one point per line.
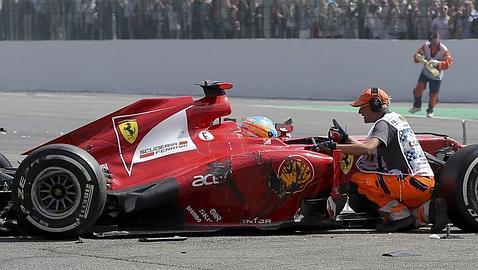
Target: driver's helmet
259	126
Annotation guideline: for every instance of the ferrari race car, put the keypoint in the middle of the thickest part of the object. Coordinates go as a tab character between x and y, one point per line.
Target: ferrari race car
177	164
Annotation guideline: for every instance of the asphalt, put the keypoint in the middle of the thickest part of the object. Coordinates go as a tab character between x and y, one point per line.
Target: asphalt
33	118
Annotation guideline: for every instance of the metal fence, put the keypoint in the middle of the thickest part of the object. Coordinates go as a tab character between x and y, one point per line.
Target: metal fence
220	19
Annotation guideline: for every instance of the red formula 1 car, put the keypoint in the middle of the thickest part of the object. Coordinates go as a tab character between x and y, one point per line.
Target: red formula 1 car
176	164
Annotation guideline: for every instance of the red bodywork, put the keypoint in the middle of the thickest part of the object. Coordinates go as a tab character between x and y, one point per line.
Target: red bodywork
224	179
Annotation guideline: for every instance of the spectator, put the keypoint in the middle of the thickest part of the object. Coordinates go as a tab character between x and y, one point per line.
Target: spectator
394	21
362	10
127	19
323	20
228	19
467	20
304	13
28	10
351	15
163	15
259	19
243	19
137	19
314	21
186	19
413	19
216	17
174	26
232	23
41	23
336	21
90	19
291	23
440	23
197	7
458	22
73	20
150	19
56	12
373	22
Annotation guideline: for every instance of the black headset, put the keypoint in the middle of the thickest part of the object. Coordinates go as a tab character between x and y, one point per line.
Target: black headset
376	103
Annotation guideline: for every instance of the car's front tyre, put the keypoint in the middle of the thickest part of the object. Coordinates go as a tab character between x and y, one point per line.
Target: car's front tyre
458	185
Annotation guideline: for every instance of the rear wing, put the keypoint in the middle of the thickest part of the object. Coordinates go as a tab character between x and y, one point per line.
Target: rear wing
215	88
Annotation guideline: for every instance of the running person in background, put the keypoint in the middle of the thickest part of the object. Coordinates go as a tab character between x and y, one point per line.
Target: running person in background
436	57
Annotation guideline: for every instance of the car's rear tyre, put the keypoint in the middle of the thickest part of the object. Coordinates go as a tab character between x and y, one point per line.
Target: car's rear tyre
58	191
458	185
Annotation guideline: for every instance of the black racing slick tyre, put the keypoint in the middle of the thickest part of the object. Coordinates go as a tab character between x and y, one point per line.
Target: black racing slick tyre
59	191
458	185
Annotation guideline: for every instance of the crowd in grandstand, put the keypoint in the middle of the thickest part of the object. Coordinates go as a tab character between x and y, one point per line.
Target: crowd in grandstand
198	19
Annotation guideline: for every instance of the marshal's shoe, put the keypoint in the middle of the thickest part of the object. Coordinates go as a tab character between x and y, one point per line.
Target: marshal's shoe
438	215
415	109
396	225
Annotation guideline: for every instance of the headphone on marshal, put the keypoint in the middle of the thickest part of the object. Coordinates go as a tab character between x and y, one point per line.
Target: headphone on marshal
375	103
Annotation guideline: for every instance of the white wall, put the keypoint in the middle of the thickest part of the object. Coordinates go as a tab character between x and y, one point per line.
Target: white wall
310	69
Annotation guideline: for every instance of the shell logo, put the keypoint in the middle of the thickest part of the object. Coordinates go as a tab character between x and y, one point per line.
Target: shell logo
295	172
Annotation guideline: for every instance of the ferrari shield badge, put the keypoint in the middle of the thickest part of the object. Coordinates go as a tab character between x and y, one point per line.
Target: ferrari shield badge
346	163
129	130
161	135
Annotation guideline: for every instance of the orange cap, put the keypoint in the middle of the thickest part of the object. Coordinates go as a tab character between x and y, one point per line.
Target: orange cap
367	95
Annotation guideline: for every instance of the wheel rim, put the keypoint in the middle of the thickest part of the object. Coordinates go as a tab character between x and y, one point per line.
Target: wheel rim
56	193
474	176
471	174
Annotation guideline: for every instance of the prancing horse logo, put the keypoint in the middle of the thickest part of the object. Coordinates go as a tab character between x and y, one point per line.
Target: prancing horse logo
129	129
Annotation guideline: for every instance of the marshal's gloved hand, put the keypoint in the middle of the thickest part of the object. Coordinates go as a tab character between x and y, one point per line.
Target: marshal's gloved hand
342	134
334	134
435	63
433	70
420	58
325	146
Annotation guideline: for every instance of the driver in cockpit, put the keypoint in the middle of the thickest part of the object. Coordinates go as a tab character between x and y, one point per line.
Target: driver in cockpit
259	127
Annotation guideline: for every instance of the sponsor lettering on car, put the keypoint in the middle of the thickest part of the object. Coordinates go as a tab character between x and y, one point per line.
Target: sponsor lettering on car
205	180
257	220
193	214
205	135
161	149
202	214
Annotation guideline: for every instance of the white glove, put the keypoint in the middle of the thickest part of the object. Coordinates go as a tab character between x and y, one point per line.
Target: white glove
433	70
435	63
420	58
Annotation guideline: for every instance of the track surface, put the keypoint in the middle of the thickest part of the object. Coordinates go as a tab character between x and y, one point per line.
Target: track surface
33	118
